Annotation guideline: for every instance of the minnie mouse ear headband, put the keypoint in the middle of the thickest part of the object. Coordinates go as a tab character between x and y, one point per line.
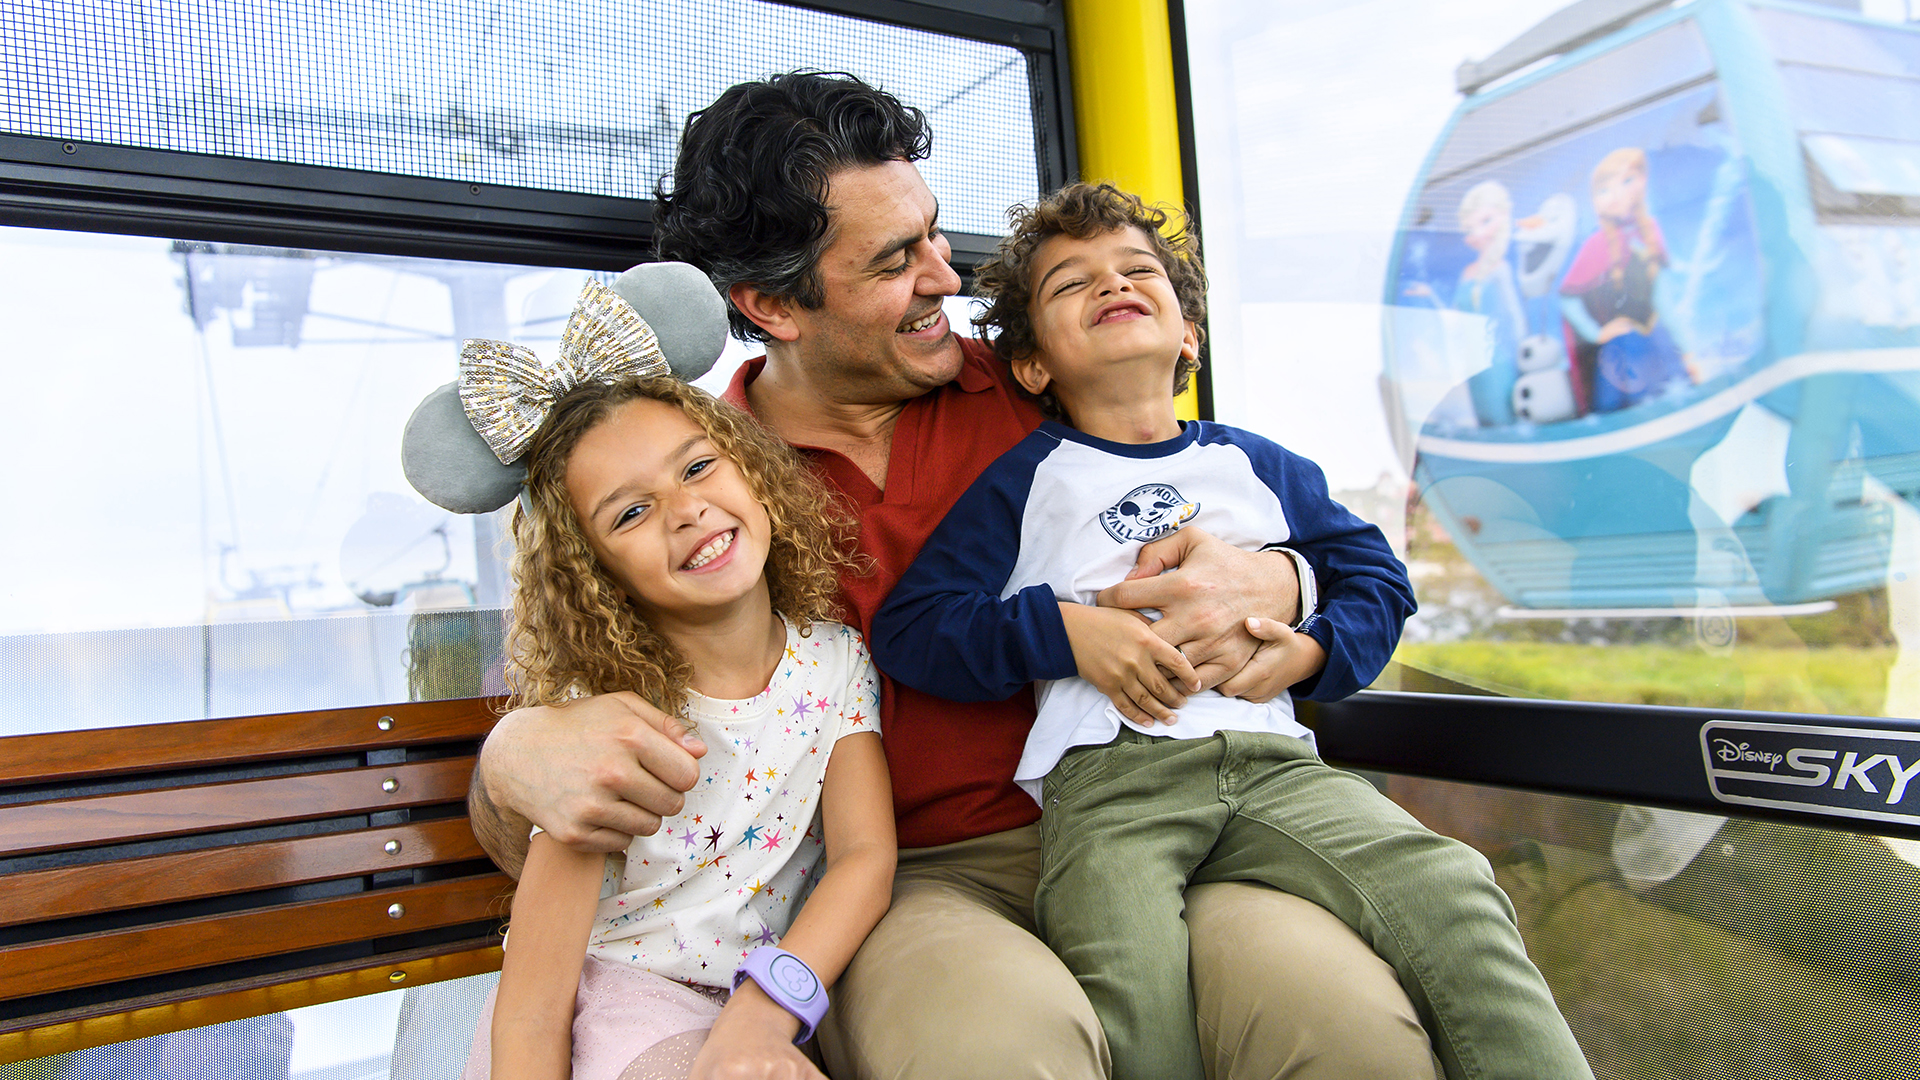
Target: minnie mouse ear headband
463	444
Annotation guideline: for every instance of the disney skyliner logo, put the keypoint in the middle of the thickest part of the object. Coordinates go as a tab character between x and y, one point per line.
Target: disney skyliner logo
1848	772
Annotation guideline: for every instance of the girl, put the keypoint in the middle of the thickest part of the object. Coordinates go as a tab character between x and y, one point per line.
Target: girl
1487	288
1608	296
668	546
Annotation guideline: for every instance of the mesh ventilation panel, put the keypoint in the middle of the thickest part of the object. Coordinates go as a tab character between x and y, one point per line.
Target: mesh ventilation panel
556	95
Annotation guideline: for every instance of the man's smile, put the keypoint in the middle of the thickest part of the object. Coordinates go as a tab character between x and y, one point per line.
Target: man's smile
925	322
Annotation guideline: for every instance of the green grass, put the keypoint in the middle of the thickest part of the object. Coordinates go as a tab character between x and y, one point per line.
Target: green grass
1844	681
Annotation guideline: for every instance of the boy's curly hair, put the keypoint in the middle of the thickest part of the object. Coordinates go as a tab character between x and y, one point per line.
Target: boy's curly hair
1083	211
574	629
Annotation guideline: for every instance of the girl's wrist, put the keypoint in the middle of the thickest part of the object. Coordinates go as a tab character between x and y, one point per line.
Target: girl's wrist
752	1005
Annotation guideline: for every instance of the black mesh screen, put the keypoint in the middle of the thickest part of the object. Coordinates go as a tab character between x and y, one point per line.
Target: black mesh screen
557	95
1683	946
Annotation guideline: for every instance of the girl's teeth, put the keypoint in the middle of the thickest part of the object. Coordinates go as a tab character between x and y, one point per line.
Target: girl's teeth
714	549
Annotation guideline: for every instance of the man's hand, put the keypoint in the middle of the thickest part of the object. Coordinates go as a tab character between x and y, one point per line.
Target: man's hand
1283	659
1204	589
1117	651
593	773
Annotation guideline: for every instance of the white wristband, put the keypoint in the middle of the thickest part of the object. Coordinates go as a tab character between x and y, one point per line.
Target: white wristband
1309	588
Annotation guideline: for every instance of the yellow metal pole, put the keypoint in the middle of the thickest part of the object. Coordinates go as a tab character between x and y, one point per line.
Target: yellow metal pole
1121	54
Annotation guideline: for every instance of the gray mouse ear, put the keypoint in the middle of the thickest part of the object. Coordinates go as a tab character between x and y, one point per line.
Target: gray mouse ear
449	463
685	311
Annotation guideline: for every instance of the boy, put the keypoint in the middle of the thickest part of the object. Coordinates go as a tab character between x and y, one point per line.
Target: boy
1097	312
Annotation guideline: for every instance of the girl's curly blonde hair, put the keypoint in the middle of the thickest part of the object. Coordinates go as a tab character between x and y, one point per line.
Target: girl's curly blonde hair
574	629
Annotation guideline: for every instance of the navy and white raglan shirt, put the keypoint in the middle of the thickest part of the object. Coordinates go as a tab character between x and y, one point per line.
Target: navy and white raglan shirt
1063	515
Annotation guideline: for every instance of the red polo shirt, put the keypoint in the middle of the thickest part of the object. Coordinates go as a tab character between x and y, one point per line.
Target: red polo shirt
952	763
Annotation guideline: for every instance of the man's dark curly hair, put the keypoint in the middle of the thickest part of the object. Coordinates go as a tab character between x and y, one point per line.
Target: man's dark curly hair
748	203
1083	211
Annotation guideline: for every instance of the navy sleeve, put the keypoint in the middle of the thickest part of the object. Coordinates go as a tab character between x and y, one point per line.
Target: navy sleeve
1365	597
944	629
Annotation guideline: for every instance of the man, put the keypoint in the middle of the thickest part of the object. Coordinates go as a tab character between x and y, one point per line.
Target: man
799	197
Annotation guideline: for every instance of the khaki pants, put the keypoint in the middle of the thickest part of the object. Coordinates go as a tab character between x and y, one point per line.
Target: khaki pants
953	984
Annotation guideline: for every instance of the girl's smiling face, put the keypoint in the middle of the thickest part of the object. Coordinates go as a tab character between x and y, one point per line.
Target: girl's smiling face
672	520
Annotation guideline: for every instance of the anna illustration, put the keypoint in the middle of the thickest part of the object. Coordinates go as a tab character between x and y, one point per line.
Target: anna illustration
1625	354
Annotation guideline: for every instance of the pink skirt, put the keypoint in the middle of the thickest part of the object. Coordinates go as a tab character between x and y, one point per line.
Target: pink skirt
619	1014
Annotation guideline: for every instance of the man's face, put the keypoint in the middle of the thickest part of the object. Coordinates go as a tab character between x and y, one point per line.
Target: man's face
880	336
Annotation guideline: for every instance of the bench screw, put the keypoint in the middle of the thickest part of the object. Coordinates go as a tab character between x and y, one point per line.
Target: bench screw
391	847
389	785
385	723
395	911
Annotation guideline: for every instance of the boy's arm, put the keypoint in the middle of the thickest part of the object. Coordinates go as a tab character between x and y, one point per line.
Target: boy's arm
944	628
540	977
1365	595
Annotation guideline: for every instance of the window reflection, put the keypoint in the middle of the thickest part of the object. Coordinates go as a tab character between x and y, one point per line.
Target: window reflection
1711	505
1647	314
218	523
1689	945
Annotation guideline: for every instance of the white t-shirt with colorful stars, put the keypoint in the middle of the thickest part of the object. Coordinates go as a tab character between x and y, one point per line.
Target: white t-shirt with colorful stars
727	874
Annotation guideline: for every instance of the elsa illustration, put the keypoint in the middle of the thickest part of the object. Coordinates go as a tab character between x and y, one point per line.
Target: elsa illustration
1486	288
1625	353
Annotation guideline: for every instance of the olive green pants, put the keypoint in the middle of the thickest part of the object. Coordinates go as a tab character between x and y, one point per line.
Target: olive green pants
1127	826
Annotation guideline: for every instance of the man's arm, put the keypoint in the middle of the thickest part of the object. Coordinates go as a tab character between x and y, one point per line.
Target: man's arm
594	774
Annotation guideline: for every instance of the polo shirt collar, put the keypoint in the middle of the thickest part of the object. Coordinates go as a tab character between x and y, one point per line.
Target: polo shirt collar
973	378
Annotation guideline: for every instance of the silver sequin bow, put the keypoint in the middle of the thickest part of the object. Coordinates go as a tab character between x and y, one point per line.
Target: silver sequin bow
508	390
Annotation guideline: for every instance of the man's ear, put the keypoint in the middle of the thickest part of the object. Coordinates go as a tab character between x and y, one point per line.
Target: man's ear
774	314
1028	373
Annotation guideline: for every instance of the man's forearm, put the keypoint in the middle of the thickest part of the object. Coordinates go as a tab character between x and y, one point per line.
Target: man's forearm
501	832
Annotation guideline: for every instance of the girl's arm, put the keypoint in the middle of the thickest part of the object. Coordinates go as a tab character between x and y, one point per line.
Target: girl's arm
552	916
754	1036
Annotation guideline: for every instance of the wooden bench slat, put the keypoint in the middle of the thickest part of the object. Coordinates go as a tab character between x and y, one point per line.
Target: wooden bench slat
69	891
73	755
158	1014
140	815
90	959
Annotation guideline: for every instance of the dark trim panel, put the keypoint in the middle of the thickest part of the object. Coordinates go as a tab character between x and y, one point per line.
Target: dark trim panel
46	183
1189	170
1646	754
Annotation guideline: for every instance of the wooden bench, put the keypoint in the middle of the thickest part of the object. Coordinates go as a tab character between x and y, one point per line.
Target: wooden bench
170	876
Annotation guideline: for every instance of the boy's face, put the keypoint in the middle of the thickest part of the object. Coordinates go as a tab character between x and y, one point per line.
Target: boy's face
1102	309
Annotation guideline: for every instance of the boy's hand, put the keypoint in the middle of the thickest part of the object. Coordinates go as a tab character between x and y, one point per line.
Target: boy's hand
1284	658
1117	651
